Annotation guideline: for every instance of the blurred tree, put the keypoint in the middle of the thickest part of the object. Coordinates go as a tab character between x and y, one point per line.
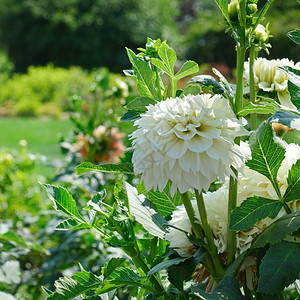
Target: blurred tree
89	33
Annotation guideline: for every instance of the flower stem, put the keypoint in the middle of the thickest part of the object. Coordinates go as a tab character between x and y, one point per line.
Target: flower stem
232	200
173	87
191	214
219	269
252	56
241	52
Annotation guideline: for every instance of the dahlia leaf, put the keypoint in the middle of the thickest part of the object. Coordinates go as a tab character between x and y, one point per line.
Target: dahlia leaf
294	35
158	63
139	104
70	287
111	266
267	154
278	230
120	277
166	264
263	107
145	213
124	168
130	115
209	82
293	84
163	201
168	56
225	83
228	288
251	211
279	268
286	118
191	89
63	201
145	76
188	68
293	190
71	224
223	5
178	273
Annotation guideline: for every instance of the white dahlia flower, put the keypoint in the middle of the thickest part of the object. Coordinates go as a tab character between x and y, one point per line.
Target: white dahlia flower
269	78
189	141
216	204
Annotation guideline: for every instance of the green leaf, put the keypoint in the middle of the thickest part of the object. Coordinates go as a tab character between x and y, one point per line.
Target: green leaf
175	261
145	76
129	73
123	276
70	287
289	119
209	82
159	64
251	211
225	83
183	271
294	35
192	89
163	201
63	201
223	5
145	213
166	264
19	241
264	107
293	84
278	230
70	224
293	190
267	155
124	168
139	104
280	267
168	56
188	68
111	266
130	115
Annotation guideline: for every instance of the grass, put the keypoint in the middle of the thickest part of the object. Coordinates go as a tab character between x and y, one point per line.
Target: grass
42	135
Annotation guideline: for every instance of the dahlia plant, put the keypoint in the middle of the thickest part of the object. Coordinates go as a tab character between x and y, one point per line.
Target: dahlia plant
215	210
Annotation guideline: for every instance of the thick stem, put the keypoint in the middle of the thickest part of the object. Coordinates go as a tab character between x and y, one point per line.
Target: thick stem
253	116
191	214
219	269
173	87
241	52
231	234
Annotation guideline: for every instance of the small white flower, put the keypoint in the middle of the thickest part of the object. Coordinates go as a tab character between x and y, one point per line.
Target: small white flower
269	78
189	141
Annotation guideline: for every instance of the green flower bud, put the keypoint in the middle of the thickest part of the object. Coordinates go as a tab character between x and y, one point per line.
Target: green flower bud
251	8
233	10
261	33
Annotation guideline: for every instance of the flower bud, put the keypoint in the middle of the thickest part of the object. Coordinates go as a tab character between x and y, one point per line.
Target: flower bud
261	34
251	8
233	10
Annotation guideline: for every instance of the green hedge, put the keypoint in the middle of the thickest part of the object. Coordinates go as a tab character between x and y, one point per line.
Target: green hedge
43	90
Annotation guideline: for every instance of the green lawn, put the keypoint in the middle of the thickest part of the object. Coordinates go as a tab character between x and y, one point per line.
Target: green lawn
42	135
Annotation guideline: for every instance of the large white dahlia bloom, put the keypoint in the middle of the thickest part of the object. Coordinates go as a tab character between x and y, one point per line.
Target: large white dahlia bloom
189	141
269	78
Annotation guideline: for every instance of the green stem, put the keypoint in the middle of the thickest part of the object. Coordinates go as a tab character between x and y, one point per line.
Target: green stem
157	82
231	234
173	87
285	206
219	269
253	116
191	214
241	52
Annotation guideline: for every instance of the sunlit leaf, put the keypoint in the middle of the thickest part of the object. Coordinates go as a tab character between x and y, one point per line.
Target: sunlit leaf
168	56
124	168
188	68
209	82
294	35
293	190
